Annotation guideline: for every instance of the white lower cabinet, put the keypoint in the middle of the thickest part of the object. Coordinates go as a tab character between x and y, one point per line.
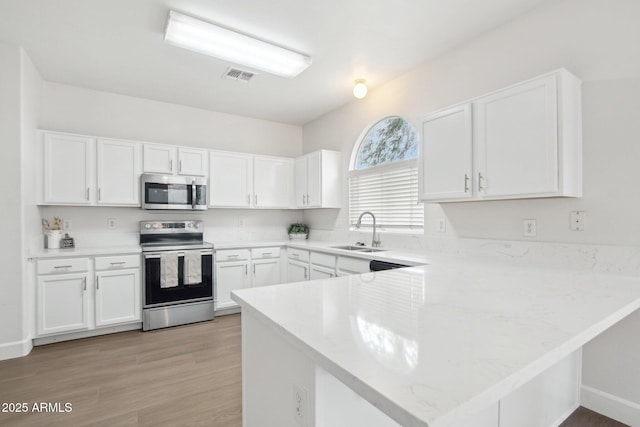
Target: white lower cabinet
63	303
297	271
350	265
118	297
319	272
230	276
70	299
265	266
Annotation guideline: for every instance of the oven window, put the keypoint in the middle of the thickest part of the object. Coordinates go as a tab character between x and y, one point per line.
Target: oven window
162	194
154	294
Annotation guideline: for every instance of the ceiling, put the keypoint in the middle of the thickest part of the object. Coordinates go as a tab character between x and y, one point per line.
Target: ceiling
117	46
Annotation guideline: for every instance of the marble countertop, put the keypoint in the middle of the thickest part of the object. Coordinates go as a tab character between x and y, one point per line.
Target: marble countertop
430	344
385	254
85	251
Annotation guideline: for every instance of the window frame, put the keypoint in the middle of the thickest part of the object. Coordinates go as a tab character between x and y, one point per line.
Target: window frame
372	170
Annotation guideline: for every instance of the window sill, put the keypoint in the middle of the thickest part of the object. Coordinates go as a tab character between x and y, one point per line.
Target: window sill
405	231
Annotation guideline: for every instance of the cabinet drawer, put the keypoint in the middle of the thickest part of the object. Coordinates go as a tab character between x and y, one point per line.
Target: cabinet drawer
356	265
66	265
257	253
298	254
117	262
232	255
325	260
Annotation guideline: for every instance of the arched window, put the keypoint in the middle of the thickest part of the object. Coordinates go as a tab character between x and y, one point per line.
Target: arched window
383	176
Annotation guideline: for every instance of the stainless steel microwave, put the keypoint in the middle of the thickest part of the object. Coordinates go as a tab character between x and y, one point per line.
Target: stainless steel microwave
171	192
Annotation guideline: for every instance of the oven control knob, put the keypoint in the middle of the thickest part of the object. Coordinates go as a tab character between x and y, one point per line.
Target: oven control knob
147	226
190	225
197	225
156	225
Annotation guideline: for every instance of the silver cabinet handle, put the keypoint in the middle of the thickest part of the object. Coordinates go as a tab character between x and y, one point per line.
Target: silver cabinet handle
255	199
305	272
171	165
180	166
295	255
99	193
246	271
88	193
248	199
232	256
254	268
84	283
97	282
307	199
304	199
266	253
63	266
466	183
480	178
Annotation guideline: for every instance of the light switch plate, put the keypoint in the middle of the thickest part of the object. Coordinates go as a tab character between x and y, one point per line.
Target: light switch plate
578	219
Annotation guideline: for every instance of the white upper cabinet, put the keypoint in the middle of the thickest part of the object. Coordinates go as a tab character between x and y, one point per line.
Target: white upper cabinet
526	142
160	159
192	161
172	160
230	180
317	180
119	165
68	169
446	155
517	139
272	182
78	170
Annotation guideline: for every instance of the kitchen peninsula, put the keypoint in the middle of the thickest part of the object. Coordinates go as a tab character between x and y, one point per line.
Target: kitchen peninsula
458	342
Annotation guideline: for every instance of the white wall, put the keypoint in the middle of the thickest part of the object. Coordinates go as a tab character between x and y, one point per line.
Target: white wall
77	110
594	39
11	317
598	41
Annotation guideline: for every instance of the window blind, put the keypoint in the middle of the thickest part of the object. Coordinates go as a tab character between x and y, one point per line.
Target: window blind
390	192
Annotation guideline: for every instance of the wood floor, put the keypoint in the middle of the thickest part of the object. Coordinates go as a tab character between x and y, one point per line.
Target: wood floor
184	376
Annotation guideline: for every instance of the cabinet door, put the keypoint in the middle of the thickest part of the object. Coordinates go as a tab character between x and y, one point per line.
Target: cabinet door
119	168
62	303
319	272
160	159
192	161
117	297
68	169
272	180
314	179
300	181
297	271
265	272
517	135
229	277
446	155
230	180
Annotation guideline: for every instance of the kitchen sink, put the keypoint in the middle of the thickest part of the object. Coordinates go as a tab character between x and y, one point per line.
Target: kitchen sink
358	248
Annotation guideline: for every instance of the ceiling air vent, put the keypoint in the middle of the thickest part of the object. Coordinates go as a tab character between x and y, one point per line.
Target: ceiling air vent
238	75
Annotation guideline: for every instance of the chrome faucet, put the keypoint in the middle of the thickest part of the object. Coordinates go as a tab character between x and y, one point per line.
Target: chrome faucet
374	243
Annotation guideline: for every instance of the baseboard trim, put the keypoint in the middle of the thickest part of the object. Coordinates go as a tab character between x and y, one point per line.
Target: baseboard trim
12	350
86	334
615	407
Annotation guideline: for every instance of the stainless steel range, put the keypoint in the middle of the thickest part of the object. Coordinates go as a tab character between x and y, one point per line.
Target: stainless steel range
177	274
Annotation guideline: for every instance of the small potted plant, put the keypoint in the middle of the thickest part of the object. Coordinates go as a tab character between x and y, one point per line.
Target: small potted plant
53	232
298	231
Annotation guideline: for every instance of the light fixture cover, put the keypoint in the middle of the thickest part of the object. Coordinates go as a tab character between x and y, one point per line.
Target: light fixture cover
210	39
360	89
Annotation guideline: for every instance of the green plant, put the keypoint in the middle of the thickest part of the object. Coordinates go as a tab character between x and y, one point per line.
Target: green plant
298	228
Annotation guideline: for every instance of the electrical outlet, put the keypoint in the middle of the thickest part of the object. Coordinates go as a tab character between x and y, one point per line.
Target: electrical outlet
442	225
112	223
300	405
578	220
529	228
66	224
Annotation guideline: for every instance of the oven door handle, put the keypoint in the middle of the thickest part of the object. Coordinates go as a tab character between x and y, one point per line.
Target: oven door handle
152	255
193	194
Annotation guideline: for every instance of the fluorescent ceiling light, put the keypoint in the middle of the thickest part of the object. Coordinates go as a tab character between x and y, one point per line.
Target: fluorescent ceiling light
209	39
